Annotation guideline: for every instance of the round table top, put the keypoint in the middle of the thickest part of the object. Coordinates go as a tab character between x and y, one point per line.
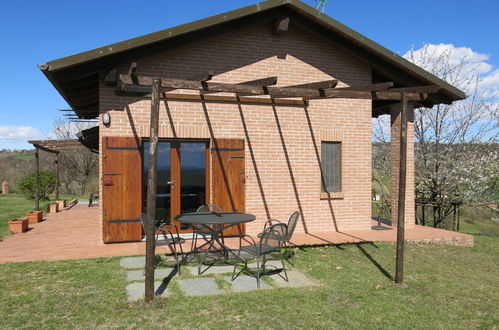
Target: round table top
214	218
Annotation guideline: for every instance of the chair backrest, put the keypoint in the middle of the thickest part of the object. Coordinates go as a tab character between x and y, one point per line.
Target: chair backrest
273	238
209	208
293	220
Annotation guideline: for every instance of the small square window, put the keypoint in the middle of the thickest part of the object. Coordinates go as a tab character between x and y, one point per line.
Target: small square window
331	167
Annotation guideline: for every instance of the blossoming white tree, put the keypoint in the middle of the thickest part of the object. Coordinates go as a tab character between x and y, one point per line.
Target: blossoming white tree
456	145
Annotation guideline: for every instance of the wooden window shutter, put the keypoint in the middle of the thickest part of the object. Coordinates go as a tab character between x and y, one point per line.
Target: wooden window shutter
229	178
121	189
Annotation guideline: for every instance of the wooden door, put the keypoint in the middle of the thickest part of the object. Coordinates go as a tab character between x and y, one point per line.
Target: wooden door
182	179
229	178
121	189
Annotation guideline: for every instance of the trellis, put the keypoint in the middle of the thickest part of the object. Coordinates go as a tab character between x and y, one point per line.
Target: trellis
260	91
53	147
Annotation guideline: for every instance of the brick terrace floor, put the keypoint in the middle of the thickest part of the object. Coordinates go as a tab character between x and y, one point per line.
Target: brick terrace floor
77	234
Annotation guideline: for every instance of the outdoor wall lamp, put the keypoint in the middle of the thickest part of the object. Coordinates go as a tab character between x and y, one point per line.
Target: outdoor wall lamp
106	119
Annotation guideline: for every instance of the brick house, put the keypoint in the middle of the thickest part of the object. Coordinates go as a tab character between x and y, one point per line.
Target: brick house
261	155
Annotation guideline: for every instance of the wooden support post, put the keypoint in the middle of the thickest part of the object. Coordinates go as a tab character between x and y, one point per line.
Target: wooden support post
151	191
57	176
37	179
399	271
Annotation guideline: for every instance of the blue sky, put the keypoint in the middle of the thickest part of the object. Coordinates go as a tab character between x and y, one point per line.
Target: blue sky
34	32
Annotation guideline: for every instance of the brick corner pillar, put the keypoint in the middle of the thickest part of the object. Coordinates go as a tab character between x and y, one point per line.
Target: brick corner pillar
5	188
410	217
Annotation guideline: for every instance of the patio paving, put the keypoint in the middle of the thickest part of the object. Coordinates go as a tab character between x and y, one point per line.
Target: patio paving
77	234
199	286
136	291
222	269
138	275
217	281
245	283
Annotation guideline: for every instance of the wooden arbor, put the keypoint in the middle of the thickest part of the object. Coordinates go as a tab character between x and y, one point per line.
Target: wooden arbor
54	147
260	91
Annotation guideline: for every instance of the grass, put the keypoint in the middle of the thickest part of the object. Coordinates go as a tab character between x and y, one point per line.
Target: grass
447	287
14	206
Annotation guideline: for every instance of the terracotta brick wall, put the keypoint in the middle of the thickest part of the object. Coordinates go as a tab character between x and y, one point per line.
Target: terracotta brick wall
282	142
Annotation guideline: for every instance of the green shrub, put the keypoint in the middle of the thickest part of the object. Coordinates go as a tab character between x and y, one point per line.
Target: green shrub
27	185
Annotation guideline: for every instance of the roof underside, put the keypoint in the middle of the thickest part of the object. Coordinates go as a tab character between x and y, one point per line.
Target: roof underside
76	77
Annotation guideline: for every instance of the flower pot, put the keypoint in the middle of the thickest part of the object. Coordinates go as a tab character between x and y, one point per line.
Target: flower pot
62	204
35	216
53	208
18	225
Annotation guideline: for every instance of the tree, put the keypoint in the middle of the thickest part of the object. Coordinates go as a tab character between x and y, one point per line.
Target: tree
456	145
47	185
78	167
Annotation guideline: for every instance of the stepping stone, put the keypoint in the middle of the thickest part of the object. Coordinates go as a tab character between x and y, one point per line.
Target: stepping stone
246	283
222	269
159	274
140	262
136	291
296	280
133	262
199	287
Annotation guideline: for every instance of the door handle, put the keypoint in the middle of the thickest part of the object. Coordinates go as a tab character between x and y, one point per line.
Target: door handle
170	183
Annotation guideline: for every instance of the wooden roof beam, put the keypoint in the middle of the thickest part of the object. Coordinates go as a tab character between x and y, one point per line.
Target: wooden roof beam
375	95
317	85
257	82
170	84
274	92
45	149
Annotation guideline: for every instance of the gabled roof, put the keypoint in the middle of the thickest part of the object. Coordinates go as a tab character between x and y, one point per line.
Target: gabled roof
76	76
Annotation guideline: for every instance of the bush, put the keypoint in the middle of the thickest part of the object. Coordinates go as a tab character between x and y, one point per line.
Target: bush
27	185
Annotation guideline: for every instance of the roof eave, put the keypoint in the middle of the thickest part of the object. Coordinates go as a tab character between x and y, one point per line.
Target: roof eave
452	93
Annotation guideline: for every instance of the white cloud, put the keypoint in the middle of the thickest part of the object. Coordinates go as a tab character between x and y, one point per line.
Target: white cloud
475	63
456	55
491	80
19	133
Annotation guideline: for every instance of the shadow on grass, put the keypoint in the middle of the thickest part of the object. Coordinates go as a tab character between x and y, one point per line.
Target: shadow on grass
166	281
374	262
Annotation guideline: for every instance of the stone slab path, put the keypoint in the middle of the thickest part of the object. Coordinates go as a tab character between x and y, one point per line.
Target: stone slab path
209	283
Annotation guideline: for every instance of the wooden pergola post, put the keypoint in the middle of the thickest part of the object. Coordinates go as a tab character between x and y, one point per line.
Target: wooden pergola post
37	179
151	191
57	176
399	271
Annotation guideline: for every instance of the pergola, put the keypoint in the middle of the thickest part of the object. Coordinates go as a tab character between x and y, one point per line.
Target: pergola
260	91
53	147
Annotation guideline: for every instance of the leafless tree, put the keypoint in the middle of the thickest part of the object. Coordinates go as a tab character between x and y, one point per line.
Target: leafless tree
78	167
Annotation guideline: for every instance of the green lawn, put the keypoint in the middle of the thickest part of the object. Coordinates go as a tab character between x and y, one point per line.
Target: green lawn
447	287
14	206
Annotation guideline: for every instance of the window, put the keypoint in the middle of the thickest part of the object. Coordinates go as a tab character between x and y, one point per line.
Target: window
331	167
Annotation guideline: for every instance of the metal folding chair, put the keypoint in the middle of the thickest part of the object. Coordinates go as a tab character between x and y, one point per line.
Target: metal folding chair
166	234
271	241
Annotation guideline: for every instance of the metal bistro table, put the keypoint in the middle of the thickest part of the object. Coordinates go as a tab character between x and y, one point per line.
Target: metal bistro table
216	223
